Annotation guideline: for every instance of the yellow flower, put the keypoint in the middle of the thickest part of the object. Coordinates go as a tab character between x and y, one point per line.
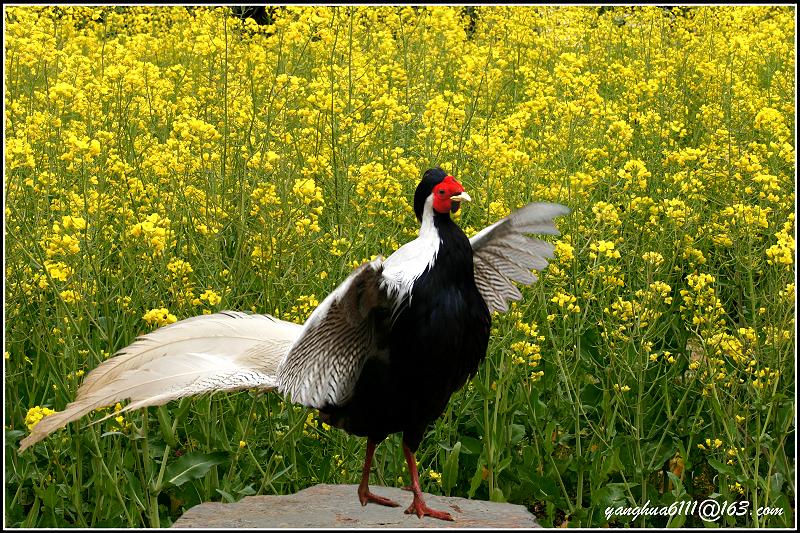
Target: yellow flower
603	248
160	317
567	301
35	415
58	270
304	188
564	251
70	296
339	246
654	258
783	251
211	297
634	172
379	192
305	305
73	223
179	267
60	244
75	374
498	210
606	213
770	120
736	487
154	231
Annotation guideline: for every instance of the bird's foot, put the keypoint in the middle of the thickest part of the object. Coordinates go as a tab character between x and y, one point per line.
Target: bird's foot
365	496
419	508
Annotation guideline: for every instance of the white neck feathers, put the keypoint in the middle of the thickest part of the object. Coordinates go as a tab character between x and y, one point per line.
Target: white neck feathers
409	262
427	226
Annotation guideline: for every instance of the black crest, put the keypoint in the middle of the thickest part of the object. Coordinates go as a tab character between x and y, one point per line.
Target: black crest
430	179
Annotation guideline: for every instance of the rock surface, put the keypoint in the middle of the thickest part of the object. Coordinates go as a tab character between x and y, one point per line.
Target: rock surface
327	506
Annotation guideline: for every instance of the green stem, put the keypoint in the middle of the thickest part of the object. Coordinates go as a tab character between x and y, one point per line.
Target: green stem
111	478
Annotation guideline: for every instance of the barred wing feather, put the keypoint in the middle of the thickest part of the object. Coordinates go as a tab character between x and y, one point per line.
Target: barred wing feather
502	253
323	365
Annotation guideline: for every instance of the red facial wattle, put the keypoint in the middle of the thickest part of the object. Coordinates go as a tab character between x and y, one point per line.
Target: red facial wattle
442	194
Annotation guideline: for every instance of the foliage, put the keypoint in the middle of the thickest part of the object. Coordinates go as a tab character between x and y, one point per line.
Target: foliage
162	162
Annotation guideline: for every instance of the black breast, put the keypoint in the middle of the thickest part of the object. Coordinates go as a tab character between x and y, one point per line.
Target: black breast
433	346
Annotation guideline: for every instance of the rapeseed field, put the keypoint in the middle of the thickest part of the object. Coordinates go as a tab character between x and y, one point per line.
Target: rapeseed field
164	162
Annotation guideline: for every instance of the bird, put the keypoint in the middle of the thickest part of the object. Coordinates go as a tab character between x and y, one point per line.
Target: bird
381	354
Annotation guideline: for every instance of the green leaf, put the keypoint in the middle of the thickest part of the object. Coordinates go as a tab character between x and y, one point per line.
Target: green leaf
183	407
13	434
775	482
135	489
687	463
33	515
676	520
471	445
609	464
450	473
678	489
721	467
226	496
660	454
502	465
192	466
246	491
49	496
784	416
545	488
548	432
477	478
497	495
784	519
165	424
537	406
590	340
517	433
480	387
611	495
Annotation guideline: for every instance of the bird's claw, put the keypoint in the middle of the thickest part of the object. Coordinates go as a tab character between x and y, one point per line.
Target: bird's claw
419	508
366	496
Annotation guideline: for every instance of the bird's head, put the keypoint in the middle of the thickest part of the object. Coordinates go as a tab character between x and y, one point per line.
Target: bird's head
446	191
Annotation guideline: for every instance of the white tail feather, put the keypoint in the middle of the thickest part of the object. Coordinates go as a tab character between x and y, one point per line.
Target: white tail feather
221	352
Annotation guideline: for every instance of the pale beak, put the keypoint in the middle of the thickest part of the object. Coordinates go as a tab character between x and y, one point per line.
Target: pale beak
462	196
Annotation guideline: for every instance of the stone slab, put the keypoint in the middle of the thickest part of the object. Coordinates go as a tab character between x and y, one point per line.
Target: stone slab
329	506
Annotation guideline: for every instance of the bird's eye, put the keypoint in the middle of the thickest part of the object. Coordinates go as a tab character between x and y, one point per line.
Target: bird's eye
441	192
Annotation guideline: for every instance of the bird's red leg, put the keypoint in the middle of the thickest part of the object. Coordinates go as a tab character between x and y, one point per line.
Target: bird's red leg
364	495
418	506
